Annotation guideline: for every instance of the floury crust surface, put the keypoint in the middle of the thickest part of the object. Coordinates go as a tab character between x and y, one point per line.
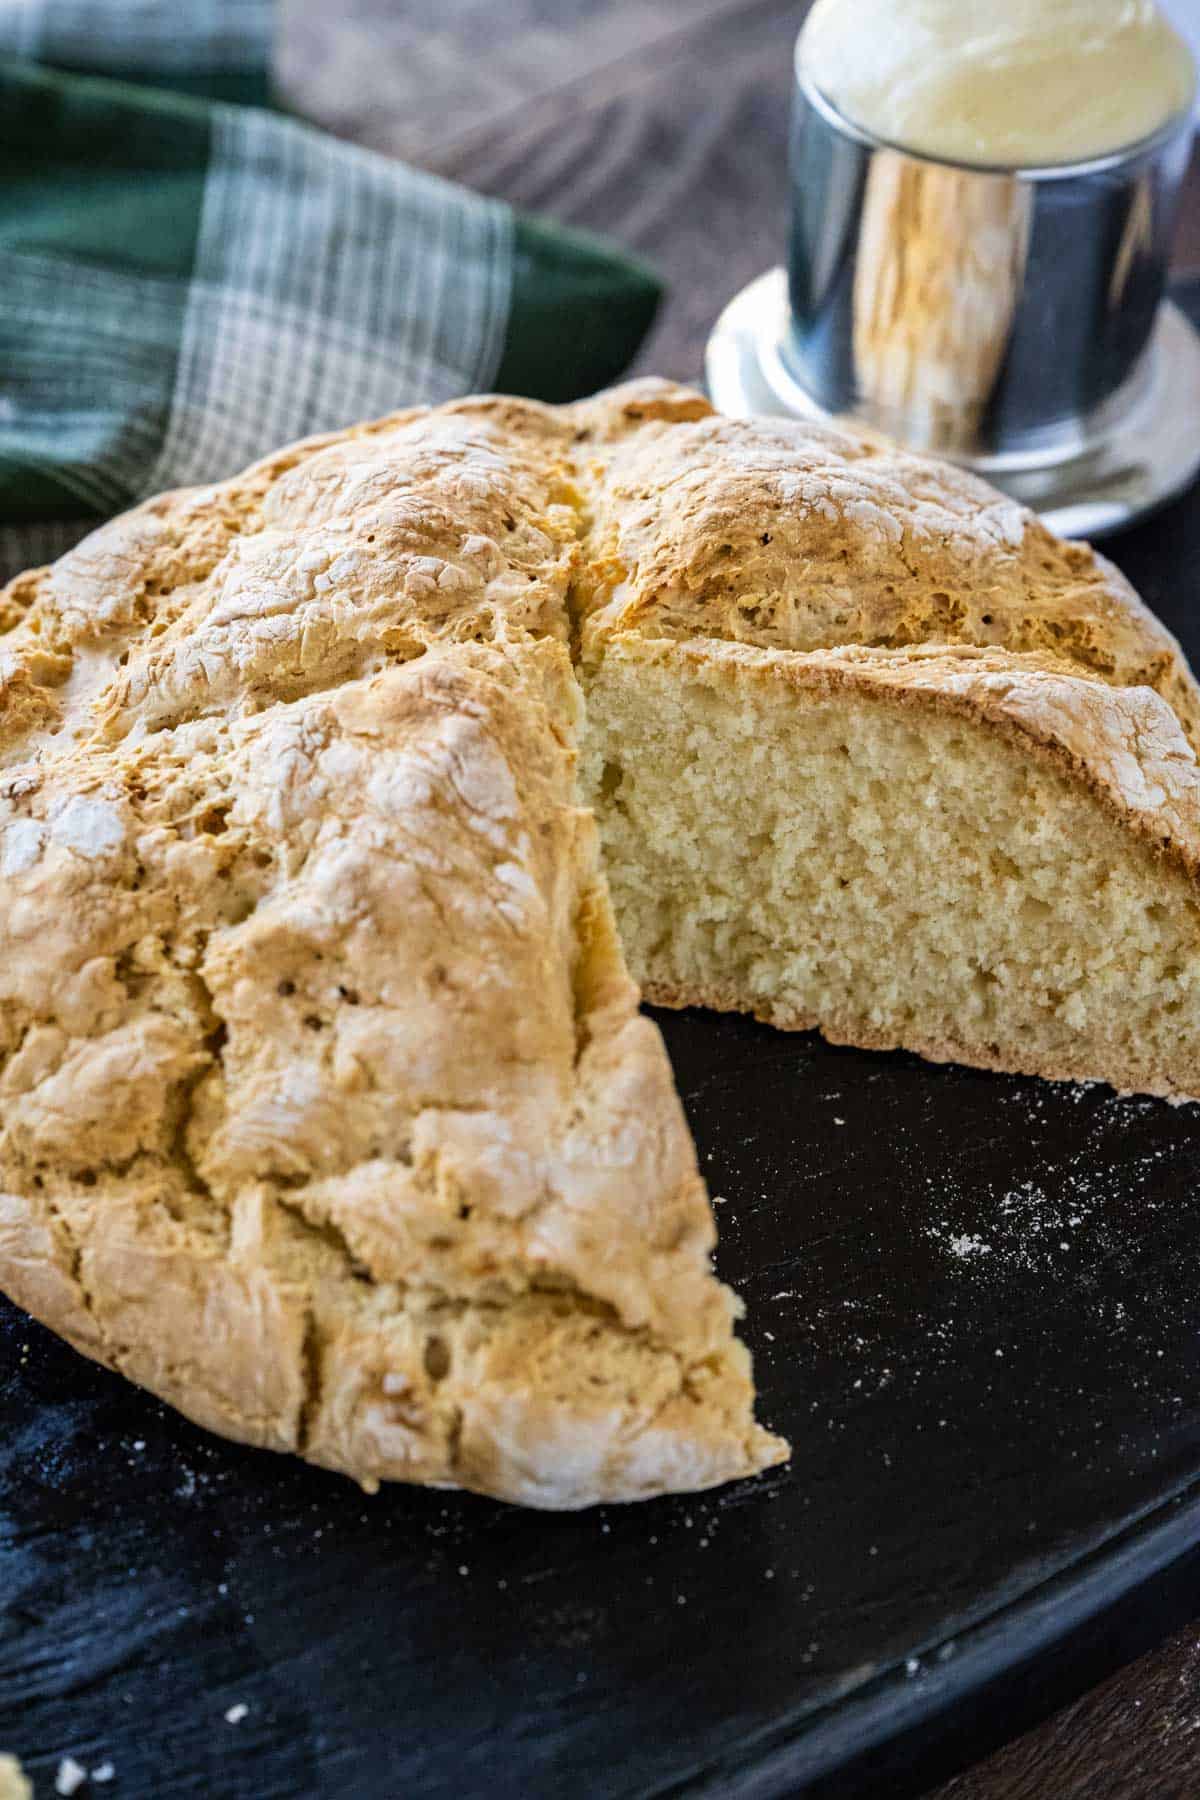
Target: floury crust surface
326	1111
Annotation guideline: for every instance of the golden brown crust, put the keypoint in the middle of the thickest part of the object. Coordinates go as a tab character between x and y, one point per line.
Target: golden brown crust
793	535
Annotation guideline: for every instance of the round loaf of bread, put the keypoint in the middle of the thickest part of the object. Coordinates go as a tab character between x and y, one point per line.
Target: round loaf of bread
326	1109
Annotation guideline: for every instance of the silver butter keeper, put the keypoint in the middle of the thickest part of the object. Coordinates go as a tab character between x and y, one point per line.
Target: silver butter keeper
1010	320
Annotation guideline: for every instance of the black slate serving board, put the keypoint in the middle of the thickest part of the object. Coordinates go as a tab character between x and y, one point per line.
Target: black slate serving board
972	1303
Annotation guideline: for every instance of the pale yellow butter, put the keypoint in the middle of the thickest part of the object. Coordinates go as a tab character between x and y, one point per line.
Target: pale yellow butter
1013	83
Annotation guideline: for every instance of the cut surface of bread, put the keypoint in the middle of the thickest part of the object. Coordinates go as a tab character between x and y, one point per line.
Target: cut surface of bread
897	848
326	1110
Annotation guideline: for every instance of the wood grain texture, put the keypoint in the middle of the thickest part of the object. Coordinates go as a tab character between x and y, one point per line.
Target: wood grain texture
664	124
1135	1737
658	122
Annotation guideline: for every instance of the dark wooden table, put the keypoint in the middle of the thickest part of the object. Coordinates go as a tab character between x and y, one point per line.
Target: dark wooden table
664	124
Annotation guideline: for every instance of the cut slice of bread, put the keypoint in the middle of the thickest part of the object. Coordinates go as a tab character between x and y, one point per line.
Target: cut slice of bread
872	751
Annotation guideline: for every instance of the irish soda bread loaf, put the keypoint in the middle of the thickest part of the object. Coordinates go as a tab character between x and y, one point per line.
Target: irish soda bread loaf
326	1111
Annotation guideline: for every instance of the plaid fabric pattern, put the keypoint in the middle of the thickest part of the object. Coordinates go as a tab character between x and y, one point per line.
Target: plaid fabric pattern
101	435
185	283
329	285
138	34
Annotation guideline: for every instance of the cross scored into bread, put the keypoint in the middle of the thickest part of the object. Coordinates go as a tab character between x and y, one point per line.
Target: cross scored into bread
326	1109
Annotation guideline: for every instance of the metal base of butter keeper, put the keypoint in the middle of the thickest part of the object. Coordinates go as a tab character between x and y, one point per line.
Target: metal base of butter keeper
1146	457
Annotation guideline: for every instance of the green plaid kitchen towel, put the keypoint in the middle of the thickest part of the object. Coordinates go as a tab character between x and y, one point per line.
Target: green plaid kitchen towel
186	282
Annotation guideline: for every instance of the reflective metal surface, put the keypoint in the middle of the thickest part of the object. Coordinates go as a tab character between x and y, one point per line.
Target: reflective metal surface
999	318
1150	454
